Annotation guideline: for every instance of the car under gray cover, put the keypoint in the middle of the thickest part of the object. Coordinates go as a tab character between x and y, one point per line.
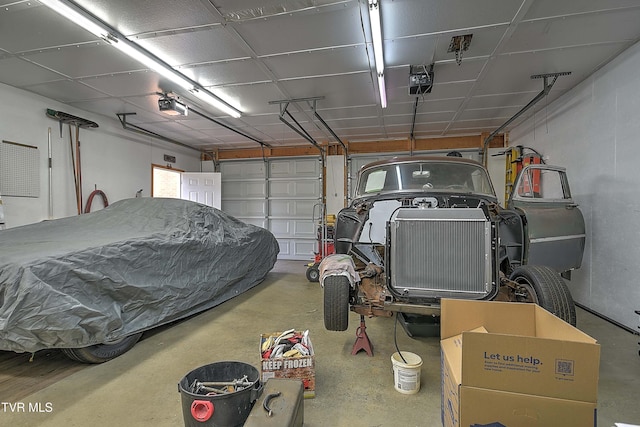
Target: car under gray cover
137	264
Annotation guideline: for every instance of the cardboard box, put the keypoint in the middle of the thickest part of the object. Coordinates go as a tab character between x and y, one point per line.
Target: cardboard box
515	365
302	368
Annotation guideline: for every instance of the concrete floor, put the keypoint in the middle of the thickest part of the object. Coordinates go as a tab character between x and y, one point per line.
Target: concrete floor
140	387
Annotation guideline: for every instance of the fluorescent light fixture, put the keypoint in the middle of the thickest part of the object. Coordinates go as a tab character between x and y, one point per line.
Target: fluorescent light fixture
376	34
79	16
207	97
383	90
140	56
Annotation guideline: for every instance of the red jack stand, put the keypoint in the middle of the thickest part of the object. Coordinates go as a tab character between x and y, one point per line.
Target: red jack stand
362	340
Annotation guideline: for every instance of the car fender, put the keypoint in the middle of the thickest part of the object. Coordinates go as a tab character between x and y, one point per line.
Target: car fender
339	265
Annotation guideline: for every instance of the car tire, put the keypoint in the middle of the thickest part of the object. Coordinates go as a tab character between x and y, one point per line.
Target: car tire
547	289
313	273
101	353
336	303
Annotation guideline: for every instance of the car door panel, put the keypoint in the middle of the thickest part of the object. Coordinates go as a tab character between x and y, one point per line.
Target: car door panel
554	225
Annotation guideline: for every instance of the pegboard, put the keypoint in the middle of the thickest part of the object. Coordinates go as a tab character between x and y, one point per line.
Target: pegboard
19	170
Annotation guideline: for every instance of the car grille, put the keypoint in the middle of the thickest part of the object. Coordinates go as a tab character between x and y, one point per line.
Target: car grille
440	253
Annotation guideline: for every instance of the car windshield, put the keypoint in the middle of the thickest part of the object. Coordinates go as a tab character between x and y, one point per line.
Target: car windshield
425	176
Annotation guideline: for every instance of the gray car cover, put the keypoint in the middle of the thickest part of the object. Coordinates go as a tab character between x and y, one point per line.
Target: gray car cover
135	265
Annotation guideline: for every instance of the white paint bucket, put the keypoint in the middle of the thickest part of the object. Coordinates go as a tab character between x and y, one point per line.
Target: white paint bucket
406	374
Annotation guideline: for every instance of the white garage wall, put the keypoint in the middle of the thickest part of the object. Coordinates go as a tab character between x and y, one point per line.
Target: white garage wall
595	132
117	161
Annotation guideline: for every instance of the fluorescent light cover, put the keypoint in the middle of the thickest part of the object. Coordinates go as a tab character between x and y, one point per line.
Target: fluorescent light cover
209	99
76	17
383	91
146	60
376	33
93	25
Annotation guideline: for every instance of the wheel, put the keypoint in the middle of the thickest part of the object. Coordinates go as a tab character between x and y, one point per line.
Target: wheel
100	353
544	286
336	303
313	273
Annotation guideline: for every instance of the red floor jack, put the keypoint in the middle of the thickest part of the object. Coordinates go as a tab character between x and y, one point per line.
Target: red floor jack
362	340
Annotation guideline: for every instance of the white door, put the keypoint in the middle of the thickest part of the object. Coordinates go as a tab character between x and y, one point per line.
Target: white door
202	187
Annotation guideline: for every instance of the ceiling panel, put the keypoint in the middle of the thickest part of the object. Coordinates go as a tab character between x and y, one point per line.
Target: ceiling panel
550	8
493	123
324	29
65	91
512	72
588	29
193	121
85	60
135	17
227	72
347	113
502	100
254	98
17	29
17	72
344	90
407	18
126	84
254	52
488	113
451	72
202	46
450	90
413	51
112	106
341	60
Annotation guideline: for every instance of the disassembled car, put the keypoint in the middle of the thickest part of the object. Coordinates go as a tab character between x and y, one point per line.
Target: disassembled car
420	229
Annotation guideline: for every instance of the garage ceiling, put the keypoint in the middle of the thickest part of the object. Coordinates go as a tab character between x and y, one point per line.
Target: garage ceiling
257	52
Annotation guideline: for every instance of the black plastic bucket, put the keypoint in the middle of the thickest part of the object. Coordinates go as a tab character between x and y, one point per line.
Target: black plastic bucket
221	410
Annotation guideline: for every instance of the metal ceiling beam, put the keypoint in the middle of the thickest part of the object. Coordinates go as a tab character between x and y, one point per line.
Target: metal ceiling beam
142	131
219	123
544	92
321	120
300	130
284	105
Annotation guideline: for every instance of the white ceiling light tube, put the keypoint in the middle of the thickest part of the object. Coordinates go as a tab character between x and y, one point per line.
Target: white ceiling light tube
204	95
149	62
79	16
376	34
383	91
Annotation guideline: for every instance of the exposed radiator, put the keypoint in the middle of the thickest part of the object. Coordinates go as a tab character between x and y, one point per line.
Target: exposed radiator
441	252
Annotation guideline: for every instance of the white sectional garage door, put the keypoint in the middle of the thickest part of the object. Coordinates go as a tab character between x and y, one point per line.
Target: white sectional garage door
279	195
244	191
